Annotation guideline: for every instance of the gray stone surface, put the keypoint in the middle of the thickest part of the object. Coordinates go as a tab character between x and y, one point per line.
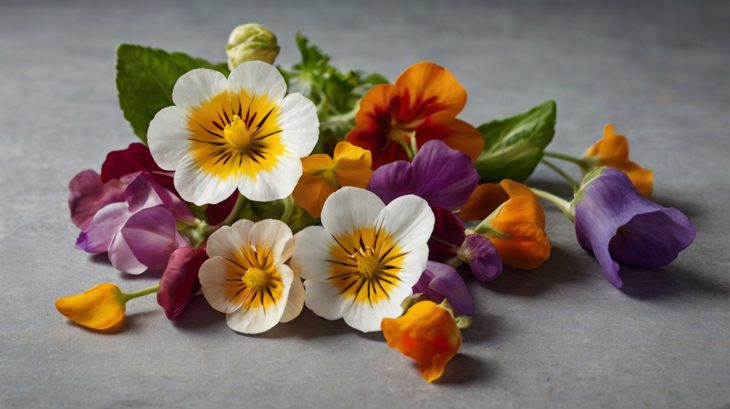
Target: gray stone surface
560	336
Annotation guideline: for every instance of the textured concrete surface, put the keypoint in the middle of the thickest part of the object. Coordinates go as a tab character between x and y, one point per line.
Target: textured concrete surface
559	337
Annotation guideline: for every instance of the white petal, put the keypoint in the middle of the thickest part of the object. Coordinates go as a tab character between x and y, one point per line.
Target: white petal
258	78
409	220
295	302
414	263
217	290
351	207
367	318
274	235
194	185
311	253
197	86
323	299
258	320
275	184
229	240
167	137
299	123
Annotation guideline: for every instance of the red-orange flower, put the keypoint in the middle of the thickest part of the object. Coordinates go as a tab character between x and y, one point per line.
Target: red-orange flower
514	221
613	151
423	103
427	334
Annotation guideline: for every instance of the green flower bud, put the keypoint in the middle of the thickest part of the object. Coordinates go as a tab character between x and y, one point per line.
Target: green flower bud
249	42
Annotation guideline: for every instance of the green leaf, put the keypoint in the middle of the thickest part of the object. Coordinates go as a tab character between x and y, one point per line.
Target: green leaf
513	146
145	78
335	93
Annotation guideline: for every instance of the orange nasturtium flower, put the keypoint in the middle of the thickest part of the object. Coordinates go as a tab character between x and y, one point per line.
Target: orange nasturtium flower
613	151
422	104
513	220
426	333
100	308
323	175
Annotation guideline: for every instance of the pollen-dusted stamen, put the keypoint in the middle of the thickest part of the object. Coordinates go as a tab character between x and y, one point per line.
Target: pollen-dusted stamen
365	264
237	133
255	278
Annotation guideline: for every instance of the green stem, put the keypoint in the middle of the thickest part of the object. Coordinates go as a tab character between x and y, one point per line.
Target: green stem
584	164
414	145
233	216
288	209
559	202
572	182
140	293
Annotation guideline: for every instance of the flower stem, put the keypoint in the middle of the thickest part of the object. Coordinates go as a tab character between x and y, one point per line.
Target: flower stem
233	215
559	202
584	164
288	209
572	182
140	293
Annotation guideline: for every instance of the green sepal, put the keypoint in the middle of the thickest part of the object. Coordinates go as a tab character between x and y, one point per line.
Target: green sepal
145	78
257	211
513	146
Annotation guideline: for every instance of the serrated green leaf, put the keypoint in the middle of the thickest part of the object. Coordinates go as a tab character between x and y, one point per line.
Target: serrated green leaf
513	146
145	78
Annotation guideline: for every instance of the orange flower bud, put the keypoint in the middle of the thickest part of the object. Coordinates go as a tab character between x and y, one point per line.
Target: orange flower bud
100	308
426	333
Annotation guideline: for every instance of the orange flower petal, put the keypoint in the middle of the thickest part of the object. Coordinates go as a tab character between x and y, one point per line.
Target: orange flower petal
100	308
526	246
483	201
456	133
427	334
434	86
352	165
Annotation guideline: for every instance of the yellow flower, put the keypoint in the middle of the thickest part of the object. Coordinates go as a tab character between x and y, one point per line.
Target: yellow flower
323	175
613	151
426	333
100	308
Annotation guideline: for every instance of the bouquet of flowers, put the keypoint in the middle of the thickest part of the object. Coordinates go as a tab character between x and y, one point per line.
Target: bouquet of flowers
266	189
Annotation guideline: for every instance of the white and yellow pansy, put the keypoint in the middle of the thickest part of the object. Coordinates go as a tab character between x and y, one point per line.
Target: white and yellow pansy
364	259
246	276
241	133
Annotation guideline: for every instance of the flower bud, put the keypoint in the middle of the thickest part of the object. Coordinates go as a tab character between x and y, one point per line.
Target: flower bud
101	308
249	42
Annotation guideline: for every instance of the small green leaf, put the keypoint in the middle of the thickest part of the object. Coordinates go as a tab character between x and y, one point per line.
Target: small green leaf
513	146
145	78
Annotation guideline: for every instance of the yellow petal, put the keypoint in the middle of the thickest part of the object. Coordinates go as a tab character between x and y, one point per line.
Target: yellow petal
101	308
352	165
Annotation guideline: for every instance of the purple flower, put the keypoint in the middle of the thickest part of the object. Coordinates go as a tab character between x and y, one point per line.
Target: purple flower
140	232
87	194
444	177
619	225
441	281
447	236
179	281
482	257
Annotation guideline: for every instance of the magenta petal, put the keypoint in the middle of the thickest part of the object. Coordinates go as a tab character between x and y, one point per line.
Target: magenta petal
136	158
86	195
144	192
447	236
444	177
179	281
122	258
105	224
151	235
617	224
217	213
441	281
483	259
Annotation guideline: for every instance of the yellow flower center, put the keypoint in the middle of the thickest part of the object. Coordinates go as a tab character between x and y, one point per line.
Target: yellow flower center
365	264
255	280
235	135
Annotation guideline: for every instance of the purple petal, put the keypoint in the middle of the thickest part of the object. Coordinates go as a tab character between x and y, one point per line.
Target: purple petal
151	235
179	281
122	258
103	227
444	177
482	257
86	195
143	192
441	281
617	223
447	236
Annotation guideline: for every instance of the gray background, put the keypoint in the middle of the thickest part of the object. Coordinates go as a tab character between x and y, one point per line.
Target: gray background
560	336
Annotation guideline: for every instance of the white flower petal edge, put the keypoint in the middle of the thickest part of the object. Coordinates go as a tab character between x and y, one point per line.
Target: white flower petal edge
214	276
167	137
227	239
349	208
299	123
258	78
275	184
197	86
295	302
194	185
